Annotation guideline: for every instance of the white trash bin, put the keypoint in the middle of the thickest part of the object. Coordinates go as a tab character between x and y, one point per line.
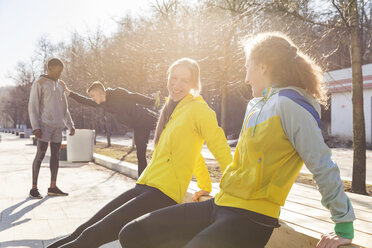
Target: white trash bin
80	146
28	133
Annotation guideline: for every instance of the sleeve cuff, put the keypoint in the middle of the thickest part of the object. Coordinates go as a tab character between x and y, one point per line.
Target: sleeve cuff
205	188
345	230
36	127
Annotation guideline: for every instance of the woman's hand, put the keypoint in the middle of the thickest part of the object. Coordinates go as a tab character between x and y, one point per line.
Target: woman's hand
198	194
63	84
332	240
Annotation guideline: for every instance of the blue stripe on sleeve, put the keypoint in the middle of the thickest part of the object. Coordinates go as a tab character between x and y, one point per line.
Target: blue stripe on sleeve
302	101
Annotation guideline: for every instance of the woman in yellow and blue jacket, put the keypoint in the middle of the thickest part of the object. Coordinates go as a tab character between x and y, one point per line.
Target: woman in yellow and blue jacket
185	123
280	133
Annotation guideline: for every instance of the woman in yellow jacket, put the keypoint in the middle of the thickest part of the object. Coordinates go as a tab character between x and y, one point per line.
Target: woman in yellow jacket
185	123
280	133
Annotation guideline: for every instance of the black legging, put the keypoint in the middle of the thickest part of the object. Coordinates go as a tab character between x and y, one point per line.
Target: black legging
105	225
196	225
141	138
53	163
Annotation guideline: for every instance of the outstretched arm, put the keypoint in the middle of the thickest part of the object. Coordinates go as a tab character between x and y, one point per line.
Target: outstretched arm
306	137
77	97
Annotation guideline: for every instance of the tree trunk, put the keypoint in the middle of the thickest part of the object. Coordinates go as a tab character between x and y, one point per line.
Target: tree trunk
224	105
224	85
107	129
359	136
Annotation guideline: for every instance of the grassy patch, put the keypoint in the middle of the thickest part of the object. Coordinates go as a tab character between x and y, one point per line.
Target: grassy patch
123	153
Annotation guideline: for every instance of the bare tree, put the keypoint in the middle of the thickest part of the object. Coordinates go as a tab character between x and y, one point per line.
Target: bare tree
45	49
359	136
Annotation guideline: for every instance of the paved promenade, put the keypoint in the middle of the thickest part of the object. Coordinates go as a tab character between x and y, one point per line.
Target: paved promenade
36	223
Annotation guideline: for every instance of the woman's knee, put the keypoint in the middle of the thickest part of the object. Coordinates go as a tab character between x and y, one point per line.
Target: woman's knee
131	236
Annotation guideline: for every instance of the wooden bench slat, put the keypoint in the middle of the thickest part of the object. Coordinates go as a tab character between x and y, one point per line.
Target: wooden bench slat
359	201
321	226
360	213
360	225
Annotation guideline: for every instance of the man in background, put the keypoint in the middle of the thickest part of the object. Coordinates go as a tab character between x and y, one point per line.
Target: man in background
49	115
129	108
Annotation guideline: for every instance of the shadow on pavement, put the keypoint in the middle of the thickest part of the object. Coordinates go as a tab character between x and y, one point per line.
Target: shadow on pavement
10	219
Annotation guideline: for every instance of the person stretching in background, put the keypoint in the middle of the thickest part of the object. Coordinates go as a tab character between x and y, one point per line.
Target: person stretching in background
128	108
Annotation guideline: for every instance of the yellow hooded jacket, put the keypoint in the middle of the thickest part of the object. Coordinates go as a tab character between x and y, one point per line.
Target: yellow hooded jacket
281	132
177	155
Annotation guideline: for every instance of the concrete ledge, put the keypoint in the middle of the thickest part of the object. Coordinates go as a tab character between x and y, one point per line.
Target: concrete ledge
28	133
123	167
288	235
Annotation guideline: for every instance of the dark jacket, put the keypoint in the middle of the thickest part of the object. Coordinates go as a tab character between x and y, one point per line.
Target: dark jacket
127	107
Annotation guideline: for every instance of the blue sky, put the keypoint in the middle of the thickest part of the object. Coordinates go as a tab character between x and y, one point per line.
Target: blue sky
24	22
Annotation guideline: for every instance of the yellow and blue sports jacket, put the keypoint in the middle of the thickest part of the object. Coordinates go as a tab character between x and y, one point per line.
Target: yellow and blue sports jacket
177	155
280	133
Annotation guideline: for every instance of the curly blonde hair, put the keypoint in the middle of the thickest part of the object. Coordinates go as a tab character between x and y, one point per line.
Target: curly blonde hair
288	66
